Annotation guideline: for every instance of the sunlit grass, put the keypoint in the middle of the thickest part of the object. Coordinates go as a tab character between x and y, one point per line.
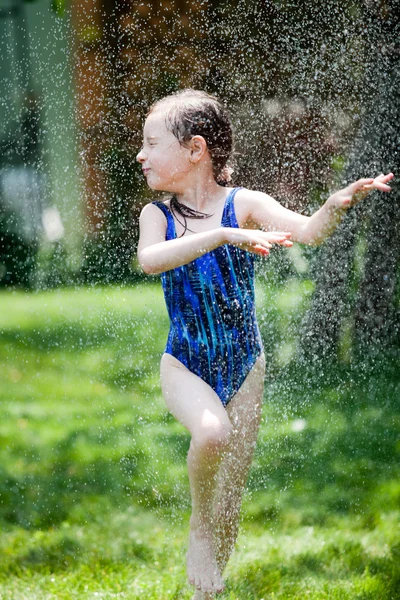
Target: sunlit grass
94	498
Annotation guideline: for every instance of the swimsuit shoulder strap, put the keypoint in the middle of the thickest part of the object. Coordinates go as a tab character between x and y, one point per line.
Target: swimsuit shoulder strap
229	215
171	233
162	207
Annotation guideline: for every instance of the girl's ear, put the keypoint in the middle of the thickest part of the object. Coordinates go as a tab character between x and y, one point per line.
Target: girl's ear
198	148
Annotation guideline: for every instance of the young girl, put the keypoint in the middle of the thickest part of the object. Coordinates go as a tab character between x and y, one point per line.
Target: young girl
203	241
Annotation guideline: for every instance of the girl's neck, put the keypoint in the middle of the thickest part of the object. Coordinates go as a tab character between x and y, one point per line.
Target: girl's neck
202	195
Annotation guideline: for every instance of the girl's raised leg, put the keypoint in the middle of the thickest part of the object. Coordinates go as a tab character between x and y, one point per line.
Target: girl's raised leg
199	409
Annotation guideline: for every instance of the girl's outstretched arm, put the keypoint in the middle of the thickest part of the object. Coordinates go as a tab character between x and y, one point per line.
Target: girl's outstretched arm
265	212
156	255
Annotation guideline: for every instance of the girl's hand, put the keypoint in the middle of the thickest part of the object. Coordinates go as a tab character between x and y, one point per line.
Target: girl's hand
353	193
258	242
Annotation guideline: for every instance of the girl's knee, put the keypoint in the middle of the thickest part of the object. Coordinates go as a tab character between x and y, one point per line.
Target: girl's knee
212	438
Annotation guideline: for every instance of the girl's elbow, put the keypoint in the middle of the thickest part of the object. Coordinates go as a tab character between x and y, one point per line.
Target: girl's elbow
310	238
147	270
146	265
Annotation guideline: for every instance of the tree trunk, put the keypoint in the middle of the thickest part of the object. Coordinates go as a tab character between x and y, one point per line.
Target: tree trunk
374	312
331	302
91	93
374	315
376	151
122	66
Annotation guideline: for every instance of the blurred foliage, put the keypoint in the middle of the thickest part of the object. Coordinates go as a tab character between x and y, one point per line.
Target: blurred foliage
59	7
291	76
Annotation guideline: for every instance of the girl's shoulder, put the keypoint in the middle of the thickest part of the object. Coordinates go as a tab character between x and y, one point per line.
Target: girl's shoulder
246	195
249	204
154	212
246	203
155	205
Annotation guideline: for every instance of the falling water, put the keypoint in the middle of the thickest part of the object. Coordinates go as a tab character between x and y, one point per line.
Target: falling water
93	489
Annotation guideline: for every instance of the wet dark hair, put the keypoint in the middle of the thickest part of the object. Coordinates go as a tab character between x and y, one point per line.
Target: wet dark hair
193	112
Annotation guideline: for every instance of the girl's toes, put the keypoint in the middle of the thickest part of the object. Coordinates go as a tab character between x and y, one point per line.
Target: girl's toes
208	585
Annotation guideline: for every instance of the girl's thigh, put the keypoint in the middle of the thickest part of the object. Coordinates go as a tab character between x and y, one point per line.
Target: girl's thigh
190	399
244	410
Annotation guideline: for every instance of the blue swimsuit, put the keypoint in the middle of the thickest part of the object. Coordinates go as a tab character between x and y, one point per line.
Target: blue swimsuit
210	302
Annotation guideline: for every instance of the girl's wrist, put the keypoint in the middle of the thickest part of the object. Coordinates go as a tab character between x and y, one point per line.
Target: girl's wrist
335	208
224	235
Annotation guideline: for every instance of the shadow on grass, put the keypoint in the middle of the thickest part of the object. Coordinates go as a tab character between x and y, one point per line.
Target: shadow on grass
338	464
89	464
131	333
334	565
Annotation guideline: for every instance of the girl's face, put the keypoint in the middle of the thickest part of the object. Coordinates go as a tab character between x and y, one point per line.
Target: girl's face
165	162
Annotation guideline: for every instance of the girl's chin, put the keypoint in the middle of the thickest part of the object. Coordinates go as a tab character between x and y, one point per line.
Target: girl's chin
154	182
158	186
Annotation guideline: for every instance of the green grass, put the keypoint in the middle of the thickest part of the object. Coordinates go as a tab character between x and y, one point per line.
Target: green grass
94	498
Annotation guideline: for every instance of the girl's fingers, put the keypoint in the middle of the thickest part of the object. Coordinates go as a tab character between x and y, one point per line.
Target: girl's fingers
258	249
286	243
277	237
382	186
373	183
280	233
357	191
363	186
387	177
377	185
357	186
384	178
260	242
361	182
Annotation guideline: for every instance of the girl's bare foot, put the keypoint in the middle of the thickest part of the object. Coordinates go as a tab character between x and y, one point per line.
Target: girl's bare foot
202	568
203	596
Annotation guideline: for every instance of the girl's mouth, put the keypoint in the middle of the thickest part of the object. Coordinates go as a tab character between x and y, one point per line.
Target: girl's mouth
145	171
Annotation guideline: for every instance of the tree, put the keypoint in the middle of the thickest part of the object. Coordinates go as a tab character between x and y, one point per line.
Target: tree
127	55
371	308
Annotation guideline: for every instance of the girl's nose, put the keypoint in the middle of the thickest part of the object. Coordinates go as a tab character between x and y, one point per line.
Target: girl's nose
140	157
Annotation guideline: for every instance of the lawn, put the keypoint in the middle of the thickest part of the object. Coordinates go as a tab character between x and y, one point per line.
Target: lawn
94	498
